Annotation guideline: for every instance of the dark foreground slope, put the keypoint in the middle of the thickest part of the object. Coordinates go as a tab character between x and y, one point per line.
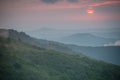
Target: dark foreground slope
20	61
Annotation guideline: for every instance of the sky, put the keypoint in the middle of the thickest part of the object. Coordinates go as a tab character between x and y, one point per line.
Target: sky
29	15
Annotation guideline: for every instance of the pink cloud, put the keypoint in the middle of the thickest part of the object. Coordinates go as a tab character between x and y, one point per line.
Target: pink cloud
62	4
92	17
105	3
51	7
64	17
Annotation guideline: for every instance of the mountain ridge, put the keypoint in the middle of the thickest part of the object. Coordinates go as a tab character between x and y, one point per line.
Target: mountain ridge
22	61
38	42
86	39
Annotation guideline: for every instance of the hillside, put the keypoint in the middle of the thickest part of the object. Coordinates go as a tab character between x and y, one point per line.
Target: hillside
33	41
86	39
109	54
21	61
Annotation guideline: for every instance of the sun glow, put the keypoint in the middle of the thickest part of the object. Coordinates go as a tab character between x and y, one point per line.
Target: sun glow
90	11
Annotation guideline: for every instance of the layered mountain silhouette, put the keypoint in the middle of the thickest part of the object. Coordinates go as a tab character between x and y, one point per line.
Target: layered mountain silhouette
114	35
22	58
86	39
105	53
37	42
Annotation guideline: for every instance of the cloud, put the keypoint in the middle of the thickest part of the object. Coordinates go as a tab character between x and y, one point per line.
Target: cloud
55	4
72	0
105	3
89	3
55	1
117	43
49	1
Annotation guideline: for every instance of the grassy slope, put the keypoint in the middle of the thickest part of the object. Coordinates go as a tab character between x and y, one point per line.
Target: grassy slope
20	61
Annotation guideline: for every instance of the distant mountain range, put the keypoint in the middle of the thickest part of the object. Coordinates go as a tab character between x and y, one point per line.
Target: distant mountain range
49	34
86	39
78	37
108	54
25	58
38	42
114	35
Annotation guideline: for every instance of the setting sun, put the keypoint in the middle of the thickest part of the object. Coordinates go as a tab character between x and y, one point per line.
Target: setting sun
90	11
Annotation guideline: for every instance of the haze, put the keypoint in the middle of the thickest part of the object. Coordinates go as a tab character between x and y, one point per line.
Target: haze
27	15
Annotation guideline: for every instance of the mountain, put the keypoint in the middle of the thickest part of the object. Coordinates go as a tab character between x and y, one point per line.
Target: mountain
23	61
114	35
86	39
33	41
49	33
109	54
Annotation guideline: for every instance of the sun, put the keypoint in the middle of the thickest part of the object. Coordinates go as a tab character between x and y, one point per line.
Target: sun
90	11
